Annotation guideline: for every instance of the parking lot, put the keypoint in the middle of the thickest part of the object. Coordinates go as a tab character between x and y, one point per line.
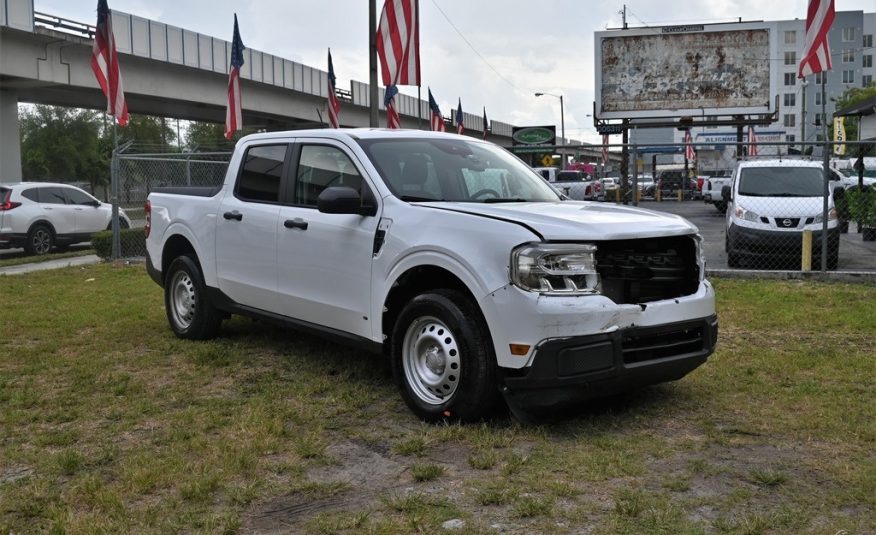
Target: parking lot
854	254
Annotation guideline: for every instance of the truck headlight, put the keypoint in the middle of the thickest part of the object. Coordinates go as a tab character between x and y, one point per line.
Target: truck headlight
565	268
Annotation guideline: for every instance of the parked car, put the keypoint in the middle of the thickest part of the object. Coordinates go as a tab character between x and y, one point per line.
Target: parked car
645	184
42	215
669	182
445	254
574	184
770	203
610	186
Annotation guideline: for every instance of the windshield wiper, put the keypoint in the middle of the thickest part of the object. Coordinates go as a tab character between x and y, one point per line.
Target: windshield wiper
504	199
411	198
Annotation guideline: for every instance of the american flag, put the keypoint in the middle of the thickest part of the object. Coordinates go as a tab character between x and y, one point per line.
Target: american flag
816	52
486	124
752	142
398	42
460	128
437	119
605	149
105	64
233	113
334	105
689	152
392	118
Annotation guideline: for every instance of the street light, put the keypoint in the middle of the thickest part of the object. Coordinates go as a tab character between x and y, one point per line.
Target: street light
562	121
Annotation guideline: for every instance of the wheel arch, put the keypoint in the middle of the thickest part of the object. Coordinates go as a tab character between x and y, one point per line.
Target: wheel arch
175	246
45	222
414	281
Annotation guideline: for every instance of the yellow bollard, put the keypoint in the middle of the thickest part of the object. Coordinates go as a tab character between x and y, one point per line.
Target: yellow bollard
617	195
680	194
657	194
806	260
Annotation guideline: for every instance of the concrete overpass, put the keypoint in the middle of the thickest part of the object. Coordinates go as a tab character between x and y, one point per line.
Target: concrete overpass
171	72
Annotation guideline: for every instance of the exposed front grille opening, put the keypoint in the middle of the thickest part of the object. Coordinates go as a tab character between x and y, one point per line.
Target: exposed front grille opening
645	270
641	348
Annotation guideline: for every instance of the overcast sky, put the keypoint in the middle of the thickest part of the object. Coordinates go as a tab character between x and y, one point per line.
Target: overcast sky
514	47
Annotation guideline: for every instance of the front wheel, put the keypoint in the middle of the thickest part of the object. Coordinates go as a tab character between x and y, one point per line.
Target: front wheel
189	312
443	358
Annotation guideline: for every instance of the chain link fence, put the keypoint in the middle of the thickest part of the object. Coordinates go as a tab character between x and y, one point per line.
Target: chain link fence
136	174
761	206
768	205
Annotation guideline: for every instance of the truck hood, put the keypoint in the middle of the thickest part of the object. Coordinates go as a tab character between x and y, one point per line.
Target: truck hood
579	220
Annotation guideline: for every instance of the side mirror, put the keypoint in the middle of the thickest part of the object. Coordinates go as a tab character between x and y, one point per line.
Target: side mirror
96	204
344	200
839	193
725	193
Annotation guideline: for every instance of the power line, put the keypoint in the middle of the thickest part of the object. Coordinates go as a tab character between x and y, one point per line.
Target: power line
507	81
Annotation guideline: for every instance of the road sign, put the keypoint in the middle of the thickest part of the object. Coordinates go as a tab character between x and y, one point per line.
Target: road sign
547	160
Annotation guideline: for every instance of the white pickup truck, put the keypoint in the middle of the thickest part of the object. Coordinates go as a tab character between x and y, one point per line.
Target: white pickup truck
446	254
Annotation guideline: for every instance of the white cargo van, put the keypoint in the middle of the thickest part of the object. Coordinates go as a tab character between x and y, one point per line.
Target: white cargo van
770	203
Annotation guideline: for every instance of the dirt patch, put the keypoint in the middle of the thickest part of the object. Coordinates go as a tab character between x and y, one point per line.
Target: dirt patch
13	473
369	471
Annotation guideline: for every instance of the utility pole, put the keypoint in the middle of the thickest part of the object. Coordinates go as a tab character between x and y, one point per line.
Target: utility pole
624	13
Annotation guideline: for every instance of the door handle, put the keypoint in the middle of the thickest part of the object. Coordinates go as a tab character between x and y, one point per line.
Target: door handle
295	223
233	215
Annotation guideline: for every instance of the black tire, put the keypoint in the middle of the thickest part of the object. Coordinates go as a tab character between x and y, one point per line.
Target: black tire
732	256
833	257
443	359
40	240
189	311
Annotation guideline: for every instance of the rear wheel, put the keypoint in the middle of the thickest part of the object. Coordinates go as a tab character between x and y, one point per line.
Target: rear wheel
443	358
39	240
189	311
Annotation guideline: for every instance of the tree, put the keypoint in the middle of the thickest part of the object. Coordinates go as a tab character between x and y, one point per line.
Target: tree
148	133
852	96
63	144
211	136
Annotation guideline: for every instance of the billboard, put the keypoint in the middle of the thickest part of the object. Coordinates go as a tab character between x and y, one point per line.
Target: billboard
677	71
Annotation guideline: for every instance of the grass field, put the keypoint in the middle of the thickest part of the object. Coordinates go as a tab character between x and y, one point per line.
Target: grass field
110	424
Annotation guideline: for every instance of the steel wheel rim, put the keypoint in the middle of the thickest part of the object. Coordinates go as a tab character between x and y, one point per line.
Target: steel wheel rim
182	299
42	241
430	357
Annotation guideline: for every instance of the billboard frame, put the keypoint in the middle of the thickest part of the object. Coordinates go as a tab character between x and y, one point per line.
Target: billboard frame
768	108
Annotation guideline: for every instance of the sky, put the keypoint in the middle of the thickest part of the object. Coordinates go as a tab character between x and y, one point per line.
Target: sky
490	53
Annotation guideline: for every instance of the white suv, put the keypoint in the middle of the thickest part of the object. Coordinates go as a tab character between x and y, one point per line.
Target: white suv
40	215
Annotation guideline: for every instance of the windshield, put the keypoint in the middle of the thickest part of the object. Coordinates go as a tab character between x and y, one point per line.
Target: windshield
454	170
781	182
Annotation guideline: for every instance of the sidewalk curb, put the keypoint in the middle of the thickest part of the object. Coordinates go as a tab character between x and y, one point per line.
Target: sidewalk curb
50	264
860	277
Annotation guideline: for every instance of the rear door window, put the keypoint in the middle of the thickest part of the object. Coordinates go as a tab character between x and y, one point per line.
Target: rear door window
261	174
52	195
32	194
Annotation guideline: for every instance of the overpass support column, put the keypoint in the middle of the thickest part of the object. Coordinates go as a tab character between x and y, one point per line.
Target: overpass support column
10	140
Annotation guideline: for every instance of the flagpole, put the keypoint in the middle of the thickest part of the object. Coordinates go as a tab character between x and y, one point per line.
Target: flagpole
826	162
114	194
419	108
372	64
